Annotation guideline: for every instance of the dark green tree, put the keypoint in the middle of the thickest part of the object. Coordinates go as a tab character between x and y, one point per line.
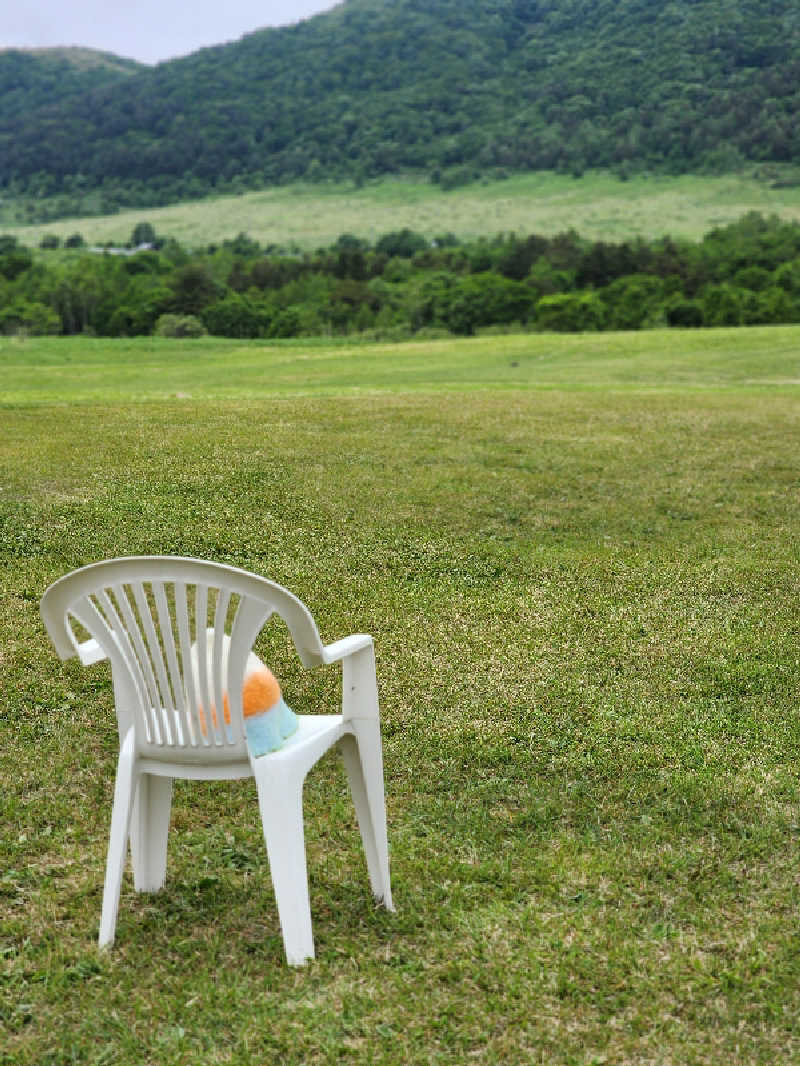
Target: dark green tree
143	233
194	287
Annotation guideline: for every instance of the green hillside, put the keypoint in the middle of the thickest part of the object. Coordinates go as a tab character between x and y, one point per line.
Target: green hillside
445	87
41	78
306	217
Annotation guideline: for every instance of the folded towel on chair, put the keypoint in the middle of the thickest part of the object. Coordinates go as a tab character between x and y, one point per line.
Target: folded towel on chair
268	720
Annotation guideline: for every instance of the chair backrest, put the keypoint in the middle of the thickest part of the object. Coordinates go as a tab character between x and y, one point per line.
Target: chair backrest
178	633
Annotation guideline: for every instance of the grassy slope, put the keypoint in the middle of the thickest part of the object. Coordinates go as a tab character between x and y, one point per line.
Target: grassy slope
584	602
598	206
80	370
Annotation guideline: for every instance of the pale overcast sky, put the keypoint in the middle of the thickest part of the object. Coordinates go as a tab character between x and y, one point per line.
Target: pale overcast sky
147	30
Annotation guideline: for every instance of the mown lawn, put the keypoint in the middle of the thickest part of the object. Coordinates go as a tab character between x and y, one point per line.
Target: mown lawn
579	560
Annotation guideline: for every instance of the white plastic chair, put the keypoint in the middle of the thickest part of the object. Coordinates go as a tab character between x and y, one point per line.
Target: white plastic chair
144	614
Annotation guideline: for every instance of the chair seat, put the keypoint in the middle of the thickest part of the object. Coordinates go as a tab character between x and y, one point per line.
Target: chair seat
311	728
193	763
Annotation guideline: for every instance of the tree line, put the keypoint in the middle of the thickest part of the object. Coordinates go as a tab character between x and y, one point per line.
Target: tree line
451	88
403	285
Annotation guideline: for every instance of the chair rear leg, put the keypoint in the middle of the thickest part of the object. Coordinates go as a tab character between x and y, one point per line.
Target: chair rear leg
363	760
149	831
124	788
280	800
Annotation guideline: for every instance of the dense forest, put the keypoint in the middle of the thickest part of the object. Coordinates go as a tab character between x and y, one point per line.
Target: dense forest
403	284
450	88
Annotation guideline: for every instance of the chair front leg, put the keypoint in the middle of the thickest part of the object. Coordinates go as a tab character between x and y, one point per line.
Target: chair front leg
124	788
280	801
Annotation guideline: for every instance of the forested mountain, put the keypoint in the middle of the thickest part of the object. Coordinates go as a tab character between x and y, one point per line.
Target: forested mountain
444	86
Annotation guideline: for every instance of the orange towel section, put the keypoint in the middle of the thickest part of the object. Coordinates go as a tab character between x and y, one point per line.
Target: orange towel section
260	692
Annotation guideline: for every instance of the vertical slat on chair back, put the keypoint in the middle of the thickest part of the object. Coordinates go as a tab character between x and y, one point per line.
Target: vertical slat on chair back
172	640
151	616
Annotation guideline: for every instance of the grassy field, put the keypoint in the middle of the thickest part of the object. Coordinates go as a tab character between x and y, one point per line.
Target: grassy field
70	370
598	206
579	560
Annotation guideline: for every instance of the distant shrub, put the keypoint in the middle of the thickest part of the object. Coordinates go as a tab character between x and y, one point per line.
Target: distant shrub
404	243
145	263
194	287
397	269
287	323
349	241
723	305
50	241
775	305
633	302
236	316
685	314
788	276
143	233
484	300
571	312
29	316
74	241
244	245
15	262
432	333
456	177
179	326
752	277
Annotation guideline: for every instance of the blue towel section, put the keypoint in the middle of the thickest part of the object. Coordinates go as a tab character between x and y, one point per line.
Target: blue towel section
266	732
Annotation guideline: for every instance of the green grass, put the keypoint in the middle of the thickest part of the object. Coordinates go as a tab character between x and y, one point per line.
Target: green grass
598	206
581	573
58	370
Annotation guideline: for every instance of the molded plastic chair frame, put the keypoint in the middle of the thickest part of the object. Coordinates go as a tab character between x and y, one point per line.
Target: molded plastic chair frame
163	735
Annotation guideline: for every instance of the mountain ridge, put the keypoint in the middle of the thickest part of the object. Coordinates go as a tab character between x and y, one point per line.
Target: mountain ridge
80	57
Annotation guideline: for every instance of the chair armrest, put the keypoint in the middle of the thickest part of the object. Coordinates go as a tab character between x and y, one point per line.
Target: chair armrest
90	652
340	649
